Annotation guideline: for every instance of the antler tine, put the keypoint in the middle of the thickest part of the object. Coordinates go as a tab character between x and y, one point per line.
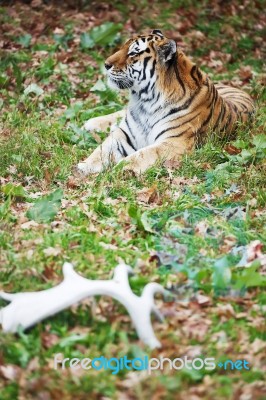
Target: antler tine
121	273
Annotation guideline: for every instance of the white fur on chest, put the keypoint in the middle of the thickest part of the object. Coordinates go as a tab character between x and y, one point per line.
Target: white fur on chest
145	120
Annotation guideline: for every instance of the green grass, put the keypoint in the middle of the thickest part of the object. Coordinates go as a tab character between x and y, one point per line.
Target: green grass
101	219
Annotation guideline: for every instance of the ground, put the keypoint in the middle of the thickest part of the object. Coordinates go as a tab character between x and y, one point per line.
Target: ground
197	227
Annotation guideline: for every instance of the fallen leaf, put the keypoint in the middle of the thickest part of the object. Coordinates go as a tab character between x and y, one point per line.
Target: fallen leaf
10	372
46	208
108	246
252	252
172	164
202	300
245	73
232	150
52	251
148	195
201	228
29	225
225	310
49	339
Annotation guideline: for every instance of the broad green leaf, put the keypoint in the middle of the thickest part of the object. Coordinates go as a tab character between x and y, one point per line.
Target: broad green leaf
86	41
62	40
221	277
147	222
100	110
17	158
13	190
135	213
250	277
103	35
67	341
5	208
259	141
24	40
33	88
46	208
99	86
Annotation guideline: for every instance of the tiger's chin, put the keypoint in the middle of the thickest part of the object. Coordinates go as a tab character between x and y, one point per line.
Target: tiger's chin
119	84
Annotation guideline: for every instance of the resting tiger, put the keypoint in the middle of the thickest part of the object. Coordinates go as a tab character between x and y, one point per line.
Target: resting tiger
172	105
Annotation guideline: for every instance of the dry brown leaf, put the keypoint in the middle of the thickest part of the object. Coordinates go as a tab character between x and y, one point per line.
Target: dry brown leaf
228	243
232	150
196	327
172	164
10	372
108	246
49	339
29	225
148	195
203	300
258	345
52	251
245	73
254	250
201	228
181	180
225	310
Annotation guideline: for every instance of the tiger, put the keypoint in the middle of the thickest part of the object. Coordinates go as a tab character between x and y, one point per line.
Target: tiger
172	105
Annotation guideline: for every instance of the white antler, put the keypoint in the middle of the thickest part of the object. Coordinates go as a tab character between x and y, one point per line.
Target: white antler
26	309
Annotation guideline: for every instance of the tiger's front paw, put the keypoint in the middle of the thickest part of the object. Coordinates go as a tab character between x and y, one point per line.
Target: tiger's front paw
97	124
139	162
134	165
87	168
92	125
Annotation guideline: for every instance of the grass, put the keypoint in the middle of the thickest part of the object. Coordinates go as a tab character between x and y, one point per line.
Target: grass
190	235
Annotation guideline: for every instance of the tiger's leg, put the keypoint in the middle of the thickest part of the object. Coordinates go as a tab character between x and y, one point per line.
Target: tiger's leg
104	122
116	147
169	149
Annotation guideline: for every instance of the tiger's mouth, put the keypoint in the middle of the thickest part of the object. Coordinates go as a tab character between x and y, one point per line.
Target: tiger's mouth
119	82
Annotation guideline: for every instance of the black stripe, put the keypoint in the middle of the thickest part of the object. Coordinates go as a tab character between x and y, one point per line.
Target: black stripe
195	70
128	139
175	65
177	126
153	68
144	90
121	149
216	96
229	119
130	130
218	119
213	93
207	120
145	62
135	70
183	107
152	104
178	135
223	111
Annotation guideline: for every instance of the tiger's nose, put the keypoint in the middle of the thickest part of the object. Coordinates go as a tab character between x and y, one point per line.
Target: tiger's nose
107	66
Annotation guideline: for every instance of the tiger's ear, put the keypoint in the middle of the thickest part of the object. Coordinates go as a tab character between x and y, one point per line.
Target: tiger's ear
156	32
167	50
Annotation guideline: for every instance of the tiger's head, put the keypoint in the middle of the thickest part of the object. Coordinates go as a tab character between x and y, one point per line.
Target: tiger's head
139	59
153	60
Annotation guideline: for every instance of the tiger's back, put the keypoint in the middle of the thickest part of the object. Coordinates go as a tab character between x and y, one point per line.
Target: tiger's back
239	100
229	106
